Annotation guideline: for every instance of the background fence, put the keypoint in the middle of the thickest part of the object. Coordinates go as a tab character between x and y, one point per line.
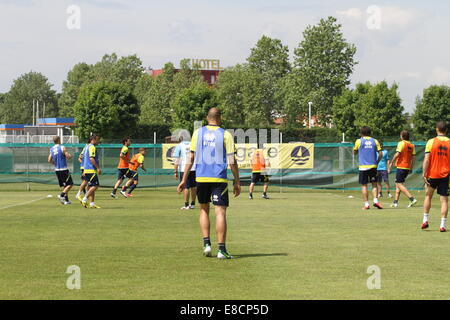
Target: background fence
335	166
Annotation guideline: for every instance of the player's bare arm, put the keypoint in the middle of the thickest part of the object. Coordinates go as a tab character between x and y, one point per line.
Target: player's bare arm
50	159
235	170
425	166
94	163
187	168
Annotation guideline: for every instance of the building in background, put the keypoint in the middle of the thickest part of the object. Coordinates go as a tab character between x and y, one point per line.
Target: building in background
42	132
208	68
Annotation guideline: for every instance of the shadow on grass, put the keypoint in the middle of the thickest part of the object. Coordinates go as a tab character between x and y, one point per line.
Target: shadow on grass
260	255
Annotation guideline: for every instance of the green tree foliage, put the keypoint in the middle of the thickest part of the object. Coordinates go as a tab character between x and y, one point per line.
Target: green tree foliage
192	104
157	101
108	108
127	70
434	106
76	77
377	106
323	62
17	106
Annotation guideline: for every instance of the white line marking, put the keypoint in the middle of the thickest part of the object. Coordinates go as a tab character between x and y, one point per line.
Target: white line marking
22	204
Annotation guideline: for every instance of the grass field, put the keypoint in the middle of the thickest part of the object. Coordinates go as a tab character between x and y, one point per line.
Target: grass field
298	245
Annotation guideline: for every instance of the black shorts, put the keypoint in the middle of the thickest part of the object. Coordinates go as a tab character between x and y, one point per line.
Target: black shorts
382	176
92	179
401	175
82	174
121	173
257	177
442	186
217	191
190	182
64	178
132	175
368	176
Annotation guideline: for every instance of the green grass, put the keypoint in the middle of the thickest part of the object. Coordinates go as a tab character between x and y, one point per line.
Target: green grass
298	245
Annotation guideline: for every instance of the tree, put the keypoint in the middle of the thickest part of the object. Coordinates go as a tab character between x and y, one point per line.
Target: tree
268	63
323	62
17	106
192	104
157	102
375	105
107	108
230	88
127	70
431	108
76	77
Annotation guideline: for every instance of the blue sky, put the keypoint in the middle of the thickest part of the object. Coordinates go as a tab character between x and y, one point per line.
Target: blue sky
411	47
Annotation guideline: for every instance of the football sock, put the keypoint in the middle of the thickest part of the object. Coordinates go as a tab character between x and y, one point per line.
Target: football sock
124	188
366	204
92	204
375	200
222	247
193	203
251	194
132	188
62	195
66	197
395	201
85	199
114	191
443	221
265	193
206	241
186	204
425	217
411	199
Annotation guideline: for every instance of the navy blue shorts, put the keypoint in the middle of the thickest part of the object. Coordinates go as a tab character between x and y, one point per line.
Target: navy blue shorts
217	192
401	175
132	175
92	179
257	177
367	176
121	173
190	182
382	176
442	185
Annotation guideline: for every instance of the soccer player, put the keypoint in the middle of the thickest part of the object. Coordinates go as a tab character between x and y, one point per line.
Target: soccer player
213	150
259	164
136	162
404	159
383	172
182	155
122	167
436	171
91	171
369	151
84	183
58	157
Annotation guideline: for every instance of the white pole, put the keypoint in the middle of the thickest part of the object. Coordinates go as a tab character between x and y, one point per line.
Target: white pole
37	112
32	121
154	157
309	104
280	162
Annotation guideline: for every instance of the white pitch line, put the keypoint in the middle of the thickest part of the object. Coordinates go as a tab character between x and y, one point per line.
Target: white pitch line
23	203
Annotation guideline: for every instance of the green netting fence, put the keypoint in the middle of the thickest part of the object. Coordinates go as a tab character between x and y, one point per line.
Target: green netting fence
335	166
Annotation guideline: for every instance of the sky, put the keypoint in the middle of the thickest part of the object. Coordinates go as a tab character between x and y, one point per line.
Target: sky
405	42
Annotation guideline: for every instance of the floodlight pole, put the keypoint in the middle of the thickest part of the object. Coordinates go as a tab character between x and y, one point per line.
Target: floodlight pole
309	105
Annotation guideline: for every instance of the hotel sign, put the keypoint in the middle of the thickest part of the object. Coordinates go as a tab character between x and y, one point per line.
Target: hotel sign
206	64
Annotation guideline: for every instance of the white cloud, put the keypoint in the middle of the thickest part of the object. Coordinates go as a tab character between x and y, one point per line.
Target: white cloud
353	13
439	75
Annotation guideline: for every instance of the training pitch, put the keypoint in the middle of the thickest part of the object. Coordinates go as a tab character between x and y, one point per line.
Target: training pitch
300	244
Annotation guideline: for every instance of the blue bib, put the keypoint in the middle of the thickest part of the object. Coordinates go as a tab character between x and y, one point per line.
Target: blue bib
210	154
59	158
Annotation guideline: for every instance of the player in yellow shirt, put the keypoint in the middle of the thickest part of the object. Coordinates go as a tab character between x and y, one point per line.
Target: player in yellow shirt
122	167
212	151
133	176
